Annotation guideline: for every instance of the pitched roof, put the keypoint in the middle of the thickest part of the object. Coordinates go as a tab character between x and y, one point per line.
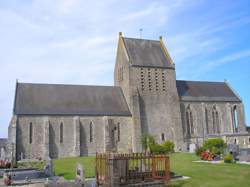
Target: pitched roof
147	53
56	99
205	91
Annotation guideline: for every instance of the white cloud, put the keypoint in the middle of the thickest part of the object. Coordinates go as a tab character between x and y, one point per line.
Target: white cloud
234	57
74	41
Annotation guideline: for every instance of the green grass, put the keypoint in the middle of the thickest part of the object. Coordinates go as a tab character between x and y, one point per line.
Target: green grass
39	165
202	174
66	166
207	175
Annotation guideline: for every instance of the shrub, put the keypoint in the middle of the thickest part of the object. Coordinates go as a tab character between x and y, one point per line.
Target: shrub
228	158
147	141
168	147
215	145
199	150
157	149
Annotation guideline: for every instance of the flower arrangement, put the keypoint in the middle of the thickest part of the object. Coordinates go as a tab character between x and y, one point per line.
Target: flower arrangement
4	164
206	155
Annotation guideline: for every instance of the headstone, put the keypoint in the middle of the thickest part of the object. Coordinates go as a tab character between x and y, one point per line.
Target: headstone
192	148
80	175
244	155
234	150
48	169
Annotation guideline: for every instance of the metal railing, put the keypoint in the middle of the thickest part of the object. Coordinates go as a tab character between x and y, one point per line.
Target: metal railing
131	168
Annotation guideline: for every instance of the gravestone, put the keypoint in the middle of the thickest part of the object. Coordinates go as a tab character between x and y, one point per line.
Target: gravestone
48	169
244	155
80	175
192	148
22	157
234	150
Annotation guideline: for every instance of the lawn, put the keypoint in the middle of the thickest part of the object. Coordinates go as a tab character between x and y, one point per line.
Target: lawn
209	175
66	166
202	174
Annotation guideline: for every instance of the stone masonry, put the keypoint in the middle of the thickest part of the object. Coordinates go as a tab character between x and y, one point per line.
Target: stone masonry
73	120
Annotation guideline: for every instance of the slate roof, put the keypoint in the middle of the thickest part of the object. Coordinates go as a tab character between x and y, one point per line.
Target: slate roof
205	91
56	99
146	53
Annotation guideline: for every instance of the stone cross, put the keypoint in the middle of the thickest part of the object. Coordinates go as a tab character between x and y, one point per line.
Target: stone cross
48	168
80	175
21	156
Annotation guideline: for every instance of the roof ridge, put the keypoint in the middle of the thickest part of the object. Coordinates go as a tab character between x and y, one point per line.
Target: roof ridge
58	84
153	40
201	81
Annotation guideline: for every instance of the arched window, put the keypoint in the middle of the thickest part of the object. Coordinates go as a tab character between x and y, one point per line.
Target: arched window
162	137
189	120
206	119
249	140
118	132
216	124
91	132
31	133
61	132
235	119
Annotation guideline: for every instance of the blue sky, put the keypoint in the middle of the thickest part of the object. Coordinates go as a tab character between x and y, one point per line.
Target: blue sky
74	41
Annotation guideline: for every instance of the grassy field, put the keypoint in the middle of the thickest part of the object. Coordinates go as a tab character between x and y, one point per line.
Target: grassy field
66	166
209	175
202	174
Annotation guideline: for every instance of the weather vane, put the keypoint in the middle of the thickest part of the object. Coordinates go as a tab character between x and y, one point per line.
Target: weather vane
140	32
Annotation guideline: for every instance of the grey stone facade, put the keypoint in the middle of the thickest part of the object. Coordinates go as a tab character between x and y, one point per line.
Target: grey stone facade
3	148
69	120
68	136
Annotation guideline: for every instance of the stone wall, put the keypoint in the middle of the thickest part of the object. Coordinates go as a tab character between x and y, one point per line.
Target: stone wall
122	78
3	148
159	104
202	115
73	138
152	98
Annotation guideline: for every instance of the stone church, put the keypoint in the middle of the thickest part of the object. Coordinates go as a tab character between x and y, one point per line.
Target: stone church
55	120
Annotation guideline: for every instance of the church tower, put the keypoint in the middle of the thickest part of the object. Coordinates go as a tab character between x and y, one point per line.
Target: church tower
146	73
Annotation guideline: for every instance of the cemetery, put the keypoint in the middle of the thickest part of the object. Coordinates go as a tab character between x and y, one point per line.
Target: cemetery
152	167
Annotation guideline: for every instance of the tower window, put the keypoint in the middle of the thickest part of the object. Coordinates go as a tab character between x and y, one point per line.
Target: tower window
61	132
30	133
142	79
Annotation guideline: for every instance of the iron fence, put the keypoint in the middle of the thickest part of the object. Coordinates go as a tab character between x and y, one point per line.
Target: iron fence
131	168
